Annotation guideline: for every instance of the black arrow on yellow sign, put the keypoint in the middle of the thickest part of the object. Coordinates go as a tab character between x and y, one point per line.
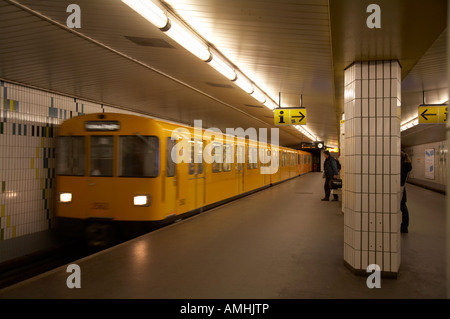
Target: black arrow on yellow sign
302	116
424	115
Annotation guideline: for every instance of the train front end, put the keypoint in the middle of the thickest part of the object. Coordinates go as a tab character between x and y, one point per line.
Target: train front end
107	176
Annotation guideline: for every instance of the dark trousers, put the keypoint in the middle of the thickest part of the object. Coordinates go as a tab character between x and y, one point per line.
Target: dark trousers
405	213
327	189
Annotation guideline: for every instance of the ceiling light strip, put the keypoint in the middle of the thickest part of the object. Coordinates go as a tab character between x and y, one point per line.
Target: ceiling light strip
408	124
222	67
181	34
150	11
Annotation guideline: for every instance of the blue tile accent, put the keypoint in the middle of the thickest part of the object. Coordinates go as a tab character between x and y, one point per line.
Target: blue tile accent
14	129
52	111
25	130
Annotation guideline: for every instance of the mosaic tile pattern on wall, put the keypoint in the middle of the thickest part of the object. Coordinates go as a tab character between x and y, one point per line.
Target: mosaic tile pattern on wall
29	119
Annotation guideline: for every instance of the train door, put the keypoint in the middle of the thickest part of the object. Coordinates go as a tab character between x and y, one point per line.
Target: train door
196	176
170	180
200	178
265	157
182	184
240	162
99	185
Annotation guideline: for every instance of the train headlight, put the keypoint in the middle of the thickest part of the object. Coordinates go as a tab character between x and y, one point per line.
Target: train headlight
141	200
65	197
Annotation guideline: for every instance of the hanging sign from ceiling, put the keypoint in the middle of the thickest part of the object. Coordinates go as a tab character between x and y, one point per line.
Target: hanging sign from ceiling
432	114
290	116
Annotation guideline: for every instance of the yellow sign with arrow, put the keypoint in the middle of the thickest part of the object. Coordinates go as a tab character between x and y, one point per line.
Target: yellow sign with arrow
432	114
290	116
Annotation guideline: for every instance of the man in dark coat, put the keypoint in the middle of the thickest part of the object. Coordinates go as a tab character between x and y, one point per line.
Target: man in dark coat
406	167
330	171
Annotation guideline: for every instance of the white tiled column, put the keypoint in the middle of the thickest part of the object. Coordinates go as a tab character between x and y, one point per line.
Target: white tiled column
371	192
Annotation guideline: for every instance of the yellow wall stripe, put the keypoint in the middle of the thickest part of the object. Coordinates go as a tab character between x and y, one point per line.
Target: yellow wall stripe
42	142
42	183
37	173
14	232
8	221
32	162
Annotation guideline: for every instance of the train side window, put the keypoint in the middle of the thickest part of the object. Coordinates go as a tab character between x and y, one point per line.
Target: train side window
262	156
240	157
252	157
102	150
255	158
70	159
217	155
199	157
171	165
138	156
228	154
191	166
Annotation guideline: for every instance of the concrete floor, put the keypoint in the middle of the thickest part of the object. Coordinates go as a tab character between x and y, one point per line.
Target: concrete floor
282	242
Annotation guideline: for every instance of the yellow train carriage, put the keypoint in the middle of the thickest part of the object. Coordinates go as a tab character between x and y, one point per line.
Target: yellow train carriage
304	162
119	172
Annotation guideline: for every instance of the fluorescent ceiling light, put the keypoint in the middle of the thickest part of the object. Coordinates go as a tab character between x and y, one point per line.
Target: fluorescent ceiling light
305	132
218	64
408	124
244	84
258	95
190	42
149	11
270	104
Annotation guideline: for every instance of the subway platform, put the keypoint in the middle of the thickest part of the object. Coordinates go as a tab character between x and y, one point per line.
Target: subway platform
279	243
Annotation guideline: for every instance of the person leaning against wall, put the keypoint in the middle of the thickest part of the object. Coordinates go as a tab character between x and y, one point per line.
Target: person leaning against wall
405	167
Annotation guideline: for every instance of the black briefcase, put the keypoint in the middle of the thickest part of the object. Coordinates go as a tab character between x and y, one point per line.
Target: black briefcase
335	183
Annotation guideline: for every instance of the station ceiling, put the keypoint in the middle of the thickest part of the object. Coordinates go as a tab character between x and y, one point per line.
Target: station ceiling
290	48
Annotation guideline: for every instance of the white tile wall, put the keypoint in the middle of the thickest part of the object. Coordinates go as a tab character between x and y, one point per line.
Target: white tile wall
27	155
372	164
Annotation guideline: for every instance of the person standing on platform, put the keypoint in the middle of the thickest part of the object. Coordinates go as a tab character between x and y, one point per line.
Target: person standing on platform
330	171
406	167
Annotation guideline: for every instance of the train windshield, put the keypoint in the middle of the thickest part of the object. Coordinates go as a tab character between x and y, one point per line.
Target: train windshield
102	155
138	156
70	158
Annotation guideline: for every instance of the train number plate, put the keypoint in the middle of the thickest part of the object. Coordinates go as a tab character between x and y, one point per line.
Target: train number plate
99	206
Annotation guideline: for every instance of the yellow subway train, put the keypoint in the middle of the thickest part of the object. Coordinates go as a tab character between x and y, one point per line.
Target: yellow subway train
118	175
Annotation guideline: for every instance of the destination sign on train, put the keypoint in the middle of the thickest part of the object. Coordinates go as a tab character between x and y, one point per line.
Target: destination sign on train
102	126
